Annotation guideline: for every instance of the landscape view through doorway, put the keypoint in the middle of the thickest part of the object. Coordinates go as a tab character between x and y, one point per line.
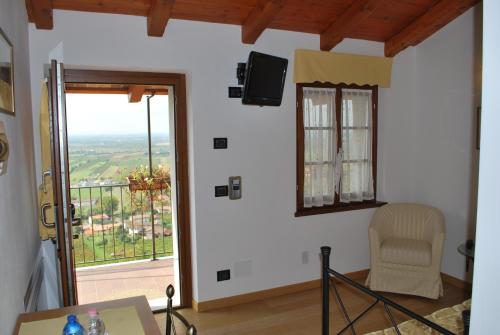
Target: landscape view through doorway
120	181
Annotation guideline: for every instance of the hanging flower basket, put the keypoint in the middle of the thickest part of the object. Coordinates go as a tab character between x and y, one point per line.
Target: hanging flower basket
148	184
140	180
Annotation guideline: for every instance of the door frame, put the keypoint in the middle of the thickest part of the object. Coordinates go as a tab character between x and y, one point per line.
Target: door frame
62	215
178	81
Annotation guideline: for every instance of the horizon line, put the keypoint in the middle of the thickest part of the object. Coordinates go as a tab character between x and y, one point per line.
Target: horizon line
108	134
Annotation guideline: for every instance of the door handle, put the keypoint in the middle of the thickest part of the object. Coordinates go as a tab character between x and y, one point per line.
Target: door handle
75	222
44	216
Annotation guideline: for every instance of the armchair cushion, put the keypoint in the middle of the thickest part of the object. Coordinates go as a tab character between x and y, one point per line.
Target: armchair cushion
406	251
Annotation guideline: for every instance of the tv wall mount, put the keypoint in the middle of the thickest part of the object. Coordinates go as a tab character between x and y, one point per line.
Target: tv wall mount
237	91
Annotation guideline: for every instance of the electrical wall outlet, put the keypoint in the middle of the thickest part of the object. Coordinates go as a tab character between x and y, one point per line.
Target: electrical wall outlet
220	143
235	92
223	275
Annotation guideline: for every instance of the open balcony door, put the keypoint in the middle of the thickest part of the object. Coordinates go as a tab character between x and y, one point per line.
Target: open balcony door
60	177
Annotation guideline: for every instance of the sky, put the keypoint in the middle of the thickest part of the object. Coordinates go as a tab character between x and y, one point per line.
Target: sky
112	114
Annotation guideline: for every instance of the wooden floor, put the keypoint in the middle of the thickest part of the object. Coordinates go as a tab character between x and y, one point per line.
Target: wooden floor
300	313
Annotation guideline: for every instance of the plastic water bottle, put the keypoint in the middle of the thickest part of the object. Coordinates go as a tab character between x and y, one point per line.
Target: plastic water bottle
73	327
96	325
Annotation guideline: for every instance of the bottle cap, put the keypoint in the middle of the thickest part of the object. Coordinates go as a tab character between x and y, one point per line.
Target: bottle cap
71	318
92	312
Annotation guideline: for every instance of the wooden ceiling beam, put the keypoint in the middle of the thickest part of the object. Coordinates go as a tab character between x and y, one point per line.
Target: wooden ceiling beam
424	26
129	7
135	93
158	16
339	29
40	12
259	19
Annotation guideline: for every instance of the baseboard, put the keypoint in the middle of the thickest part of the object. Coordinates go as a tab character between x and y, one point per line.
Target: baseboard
358	275
454	281
204	306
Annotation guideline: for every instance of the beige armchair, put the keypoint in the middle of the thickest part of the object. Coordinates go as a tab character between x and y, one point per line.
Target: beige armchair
406	243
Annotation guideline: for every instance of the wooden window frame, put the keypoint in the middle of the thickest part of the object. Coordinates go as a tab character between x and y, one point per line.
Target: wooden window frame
337	206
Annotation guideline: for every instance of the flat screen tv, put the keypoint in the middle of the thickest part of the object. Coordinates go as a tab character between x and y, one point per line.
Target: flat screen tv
264	79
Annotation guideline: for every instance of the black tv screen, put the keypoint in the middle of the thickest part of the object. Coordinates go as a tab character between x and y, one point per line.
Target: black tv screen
264	80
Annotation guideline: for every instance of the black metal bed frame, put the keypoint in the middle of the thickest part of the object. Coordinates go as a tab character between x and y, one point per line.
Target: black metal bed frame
328	273
171	312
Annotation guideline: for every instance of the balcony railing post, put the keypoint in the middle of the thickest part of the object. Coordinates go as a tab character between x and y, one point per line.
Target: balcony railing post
113	221
92	222
143	229
162	219
325	282
153	237
102	226
132	213
82	230
123	223
150	156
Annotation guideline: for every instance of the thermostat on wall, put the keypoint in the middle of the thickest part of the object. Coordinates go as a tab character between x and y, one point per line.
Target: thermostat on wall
235	188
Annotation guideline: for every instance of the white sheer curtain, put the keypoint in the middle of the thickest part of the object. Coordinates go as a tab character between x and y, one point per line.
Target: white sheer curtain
320	143
357	177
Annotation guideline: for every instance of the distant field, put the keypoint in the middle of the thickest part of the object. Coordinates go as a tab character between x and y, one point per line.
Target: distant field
97	158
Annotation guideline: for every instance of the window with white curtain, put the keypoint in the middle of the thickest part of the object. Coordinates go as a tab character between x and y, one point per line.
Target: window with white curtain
357	177
336	147
320	142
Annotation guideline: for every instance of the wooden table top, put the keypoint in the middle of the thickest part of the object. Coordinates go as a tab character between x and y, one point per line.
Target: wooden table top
141	304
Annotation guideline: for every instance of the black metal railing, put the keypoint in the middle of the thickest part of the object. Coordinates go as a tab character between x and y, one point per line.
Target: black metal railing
327	284
117	225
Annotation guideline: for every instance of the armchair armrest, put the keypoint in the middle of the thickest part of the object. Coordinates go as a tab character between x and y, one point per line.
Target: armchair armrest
434	225
378	232
375	244
437	249
380	229
381	225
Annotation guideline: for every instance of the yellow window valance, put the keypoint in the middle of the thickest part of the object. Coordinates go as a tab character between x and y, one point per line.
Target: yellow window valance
323	66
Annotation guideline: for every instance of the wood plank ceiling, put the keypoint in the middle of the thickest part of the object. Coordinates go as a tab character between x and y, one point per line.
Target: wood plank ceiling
134	92
397	23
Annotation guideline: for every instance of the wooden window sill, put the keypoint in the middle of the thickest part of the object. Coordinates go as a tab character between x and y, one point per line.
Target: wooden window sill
338	208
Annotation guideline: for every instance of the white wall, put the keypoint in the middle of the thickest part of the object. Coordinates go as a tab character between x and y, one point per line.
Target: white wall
397	110
18	222
427	125
259	230
485	295
444	156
